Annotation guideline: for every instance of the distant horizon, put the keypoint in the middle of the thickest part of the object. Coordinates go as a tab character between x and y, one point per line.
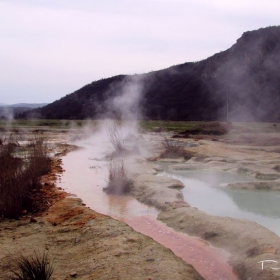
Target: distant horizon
25	103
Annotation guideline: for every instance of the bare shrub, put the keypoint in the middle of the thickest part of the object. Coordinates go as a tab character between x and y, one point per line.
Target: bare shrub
119	182
39	161
208	128
277	168
12	183
115	136
35	267
19	175
212	128
172	149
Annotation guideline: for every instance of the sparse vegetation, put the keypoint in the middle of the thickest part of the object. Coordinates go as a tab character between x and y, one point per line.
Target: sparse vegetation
39	162
206	128
35	267
19	175
176	126
119	182
172	149
115	136
43	124
277	168
12	182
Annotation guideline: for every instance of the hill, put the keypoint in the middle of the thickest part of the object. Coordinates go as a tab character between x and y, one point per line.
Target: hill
239	84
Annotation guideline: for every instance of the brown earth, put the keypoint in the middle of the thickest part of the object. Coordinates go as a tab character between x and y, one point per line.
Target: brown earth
84	243
98	247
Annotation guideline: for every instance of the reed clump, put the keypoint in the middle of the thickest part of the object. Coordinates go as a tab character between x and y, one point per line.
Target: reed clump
117	139
172	149
19	175
115	136
38	161
118	183
35	267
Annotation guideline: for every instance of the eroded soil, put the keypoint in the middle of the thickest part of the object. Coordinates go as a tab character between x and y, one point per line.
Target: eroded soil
83	243
91	245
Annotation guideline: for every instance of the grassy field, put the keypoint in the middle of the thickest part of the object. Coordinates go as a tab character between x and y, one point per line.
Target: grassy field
177	126
172	126
42	123
68	124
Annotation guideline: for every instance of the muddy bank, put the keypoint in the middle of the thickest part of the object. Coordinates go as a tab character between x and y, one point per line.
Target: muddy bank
93	246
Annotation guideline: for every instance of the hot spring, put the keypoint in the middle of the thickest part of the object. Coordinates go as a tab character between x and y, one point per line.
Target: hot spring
202	191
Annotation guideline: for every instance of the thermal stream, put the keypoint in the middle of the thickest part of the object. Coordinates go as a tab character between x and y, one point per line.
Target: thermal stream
86	172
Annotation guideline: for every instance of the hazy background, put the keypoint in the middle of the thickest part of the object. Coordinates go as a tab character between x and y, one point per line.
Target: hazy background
51	48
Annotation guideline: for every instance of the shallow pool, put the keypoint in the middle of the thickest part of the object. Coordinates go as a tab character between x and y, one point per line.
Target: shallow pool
202	191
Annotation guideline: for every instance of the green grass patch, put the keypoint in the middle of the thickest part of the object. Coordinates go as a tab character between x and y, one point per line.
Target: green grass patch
45	124
176	126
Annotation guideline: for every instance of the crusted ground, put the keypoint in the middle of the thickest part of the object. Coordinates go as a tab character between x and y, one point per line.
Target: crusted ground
83	243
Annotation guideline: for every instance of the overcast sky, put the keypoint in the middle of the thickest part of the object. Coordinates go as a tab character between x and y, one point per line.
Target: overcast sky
50	48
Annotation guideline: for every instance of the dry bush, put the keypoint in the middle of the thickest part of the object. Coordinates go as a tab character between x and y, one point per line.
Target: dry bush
213	128
119	182
200	158
277	168
39	161
19	176
207	128
12	182
173	150
35	267
115	136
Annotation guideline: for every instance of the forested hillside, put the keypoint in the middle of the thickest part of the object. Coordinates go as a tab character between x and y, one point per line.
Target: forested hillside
239	84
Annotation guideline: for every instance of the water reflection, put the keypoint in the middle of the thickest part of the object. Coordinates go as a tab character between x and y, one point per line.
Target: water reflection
261	202
86	178
202	191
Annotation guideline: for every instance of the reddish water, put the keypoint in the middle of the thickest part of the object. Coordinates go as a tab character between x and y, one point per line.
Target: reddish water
85	176
208	261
